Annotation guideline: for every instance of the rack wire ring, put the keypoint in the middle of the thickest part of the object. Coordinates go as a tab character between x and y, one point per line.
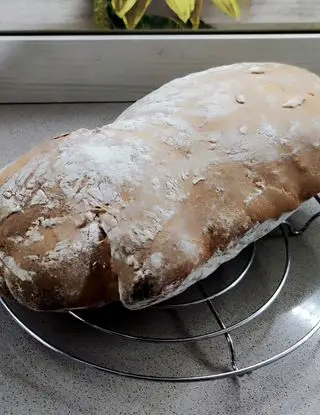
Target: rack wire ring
181	379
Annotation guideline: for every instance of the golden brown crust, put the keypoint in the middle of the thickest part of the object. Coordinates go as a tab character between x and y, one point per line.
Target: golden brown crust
178	184
53	286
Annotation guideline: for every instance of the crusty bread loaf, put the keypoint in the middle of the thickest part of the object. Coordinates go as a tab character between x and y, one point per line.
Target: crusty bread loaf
181	182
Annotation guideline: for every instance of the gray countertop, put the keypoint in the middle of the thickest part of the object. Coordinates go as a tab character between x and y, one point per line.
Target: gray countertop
38	381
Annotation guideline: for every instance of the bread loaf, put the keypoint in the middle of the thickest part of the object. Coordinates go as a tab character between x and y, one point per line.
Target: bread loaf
182	181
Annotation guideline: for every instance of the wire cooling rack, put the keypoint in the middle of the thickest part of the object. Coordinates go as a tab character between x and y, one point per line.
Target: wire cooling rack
111	337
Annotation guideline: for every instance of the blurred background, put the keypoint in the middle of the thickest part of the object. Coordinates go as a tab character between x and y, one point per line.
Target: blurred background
218	15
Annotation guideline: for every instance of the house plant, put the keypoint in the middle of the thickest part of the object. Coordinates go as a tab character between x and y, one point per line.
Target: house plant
134	14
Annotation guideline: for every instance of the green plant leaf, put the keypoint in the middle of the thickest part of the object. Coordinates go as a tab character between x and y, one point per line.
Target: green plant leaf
229	7
182	8
122	7
133	17
106	17
113	19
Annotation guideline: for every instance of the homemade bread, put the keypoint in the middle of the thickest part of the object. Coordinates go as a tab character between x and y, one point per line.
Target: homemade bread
181	182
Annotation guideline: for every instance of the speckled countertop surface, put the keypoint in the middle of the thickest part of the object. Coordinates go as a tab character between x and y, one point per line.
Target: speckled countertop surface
37	381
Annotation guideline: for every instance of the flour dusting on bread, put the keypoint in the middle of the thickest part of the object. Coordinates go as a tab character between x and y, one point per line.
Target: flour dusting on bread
179	183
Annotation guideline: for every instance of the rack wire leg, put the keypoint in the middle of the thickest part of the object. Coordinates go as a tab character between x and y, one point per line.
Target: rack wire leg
222	326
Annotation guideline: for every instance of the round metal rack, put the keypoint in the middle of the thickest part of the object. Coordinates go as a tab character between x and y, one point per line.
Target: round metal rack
103	332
